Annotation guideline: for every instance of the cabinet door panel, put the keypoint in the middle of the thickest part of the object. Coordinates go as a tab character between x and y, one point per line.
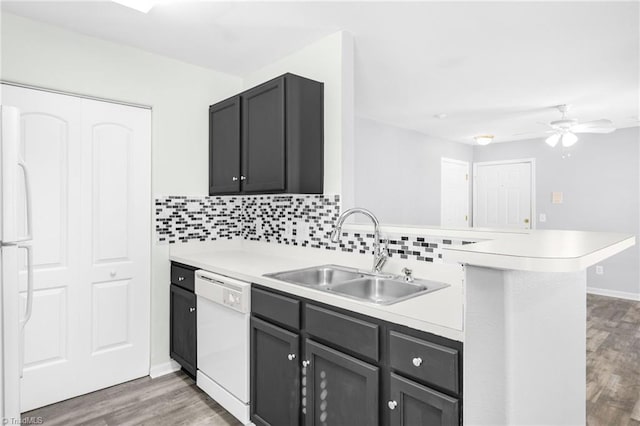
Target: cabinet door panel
263	137
275	379
183	328
420	405
224	147
338	389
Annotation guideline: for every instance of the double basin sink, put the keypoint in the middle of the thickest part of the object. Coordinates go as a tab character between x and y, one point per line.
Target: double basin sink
379	289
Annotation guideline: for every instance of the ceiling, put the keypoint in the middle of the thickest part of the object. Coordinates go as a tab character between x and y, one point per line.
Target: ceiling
492	67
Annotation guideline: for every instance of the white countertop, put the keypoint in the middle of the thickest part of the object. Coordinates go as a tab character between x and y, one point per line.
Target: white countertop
440	312
540	250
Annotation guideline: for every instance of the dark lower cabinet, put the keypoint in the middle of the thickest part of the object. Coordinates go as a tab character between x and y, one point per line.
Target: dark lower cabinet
275	375
413	404
339	389
380	374
182	307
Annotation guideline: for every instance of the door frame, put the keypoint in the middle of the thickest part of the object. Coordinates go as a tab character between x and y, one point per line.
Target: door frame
469	182
531	161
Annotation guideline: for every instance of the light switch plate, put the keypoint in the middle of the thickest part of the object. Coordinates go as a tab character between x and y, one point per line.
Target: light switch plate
599	270
542	218
557	197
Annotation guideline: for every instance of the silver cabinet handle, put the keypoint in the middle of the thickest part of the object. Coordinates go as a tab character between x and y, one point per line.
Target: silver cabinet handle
392	405
291	357
417	361
234	178
192	309
243	178
306	363
180	278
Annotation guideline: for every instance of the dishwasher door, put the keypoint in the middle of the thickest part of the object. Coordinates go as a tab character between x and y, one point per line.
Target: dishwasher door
223	347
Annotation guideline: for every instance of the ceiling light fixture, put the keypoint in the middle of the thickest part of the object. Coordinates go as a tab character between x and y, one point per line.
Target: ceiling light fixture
553	140
143	6
569	139
483	139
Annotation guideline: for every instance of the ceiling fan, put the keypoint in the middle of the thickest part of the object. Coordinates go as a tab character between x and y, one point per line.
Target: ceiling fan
565	129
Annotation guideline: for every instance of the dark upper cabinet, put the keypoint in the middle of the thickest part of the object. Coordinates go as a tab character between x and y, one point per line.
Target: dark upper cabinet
182	307
340	389
224	147
413	404
275	375
273	134
263	138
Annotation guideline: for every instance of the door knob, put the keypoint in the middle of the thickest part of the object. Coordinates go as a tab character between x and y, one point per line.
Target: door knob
392	405
526	220
291	357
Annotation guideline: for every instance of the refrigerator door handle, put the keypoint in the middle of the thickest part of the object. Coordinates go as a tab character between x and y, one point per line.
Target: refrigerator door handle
29	308
27	313
27	190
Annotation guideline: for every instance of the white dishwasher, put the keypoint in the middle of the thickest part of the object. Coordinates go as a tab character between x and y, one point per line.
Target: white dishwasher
223	341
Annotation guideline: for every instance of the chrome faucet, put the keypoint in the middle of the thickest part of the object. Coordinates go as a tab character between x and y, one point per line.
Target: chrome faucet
380	254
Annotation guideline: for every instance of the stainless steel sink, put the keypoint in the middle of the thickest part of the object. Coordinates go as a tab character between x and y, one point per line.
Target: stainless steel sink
373	288
317	276
380	291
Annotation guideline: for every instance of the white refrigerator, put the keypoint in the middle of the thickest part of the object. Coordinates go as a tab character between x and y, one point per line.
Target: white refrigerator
15	237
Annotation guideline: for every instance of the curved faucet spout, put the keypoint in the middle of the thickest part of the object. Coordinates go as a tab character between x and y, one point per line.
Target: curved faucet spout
380	254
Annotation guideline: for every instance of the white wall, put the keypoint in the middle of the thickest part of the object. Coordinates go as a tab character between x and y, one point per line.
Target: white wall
329	60
398	172
601	187
42	55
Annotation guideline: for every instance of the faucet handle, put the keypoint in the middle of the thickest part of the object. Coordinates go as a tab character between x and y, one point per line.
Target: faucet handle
408	274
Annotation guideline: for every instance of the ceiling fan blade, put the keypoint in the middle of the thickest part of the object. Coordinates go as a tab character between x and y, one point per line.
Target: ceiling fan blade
602	123
533	134
601	130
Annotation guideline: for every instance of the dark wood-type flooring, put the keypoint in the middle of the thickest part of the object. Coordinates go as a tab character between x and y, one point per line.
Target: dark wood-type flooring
613	361
613	384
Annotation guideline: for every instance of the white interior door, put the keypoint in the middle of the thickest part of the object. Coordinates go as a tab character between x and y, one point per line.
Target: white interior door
503	194
90	167
454	195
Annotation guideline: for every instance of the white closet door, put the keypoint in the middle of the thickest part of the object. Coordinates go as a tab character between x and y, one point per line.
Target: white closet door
90	173
454	195
503	195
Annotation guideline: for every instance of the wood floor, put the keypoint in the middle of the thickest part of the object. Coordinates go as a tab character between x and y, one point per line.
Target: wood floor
169	400
613	362
613	384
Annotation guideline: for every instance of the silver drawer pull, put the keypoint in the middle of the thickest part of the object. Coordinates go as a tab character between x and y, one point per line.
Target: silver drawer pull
192	309
392	405
306	363
180	278
417	361
291	357
243	178
234	178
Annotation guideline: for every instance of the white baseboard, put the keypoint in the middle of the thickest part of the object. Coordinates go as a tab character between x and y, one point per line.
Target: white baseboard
614	293
164	368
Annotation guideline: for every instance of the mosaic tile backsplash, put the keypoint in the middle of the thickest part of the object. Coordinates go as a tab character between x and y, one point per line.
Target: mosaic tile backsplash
299	220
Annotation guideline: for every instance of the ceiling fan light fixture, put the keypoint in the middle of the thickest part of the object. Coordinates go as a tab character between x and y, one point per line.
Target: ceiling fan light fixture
553	140
483	139
569	139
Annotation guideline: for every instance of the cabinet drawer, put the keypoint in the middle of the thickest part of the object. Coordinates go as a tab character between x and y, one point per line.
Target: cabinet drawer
350	333
183	277
275	307
424	360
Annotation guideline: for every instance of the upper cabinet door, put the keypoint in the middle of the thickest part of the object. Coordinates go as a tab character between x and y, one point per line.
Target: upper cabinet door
263	138
224	147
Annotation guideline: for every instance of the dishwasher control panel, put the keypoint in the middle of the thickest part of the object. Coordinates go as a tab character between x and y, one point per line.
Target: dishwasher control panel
223	290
